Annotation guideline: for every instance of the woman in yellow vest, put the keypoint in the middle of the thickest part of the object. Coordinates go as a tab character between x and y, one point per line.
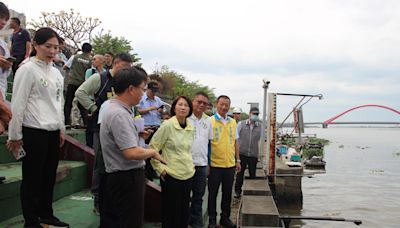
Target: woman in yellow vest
175	138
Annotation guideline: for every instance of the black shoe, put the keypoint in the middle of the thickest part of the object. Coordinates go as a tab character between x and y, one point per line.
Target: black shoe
96	208
212	223
36	225
227	223
53	221
237	195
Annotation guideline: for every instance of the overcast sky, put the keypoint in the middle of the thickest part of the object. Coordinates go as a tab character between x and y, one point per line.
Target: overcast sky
349	51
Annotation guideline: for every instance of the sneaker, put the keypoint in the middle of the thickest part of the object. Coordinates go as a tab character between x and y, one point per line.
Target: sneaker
54	221
227	223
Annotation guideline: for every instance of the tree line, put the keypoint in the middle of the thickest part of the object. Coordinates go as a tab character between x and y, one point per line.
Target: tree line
77	29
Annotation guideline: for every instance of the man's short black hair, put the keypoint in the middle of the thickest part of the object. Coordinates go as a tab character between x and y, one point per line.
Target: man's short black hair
201	93
130	76
4	12
86	48
123	57
223	96
109	53
176	101
17	20
153	85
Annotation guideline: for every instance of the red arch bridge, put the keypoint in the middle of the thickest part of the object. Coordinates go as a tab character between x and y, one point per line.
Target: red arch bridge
332	120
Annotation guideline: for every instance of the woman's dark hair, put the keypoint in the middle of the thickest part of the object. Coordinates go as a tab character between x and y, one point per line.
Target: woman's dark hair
176	101
42	35
126	77
4	12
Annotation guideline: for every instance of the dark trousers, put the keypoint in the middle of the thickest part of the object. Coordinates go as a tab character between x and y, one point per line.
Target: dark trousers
102	198
96	169
108	212
244	163
198	190
39	168
175	196
126	189
18	60
69	97
91	124
150	172
215	178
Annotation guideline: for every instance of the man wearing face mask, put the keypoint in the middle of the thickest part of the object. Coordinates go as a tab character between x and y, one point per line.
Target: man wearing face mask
249	136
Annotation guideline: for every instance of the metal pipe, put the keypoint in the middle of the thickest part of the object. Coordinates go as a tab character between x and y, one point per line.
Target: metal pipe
264	121
301	95
288	218
290	175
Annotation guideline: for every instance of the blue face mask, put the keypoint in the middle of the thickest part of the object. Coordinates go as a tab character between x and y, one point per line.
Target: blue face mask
254	118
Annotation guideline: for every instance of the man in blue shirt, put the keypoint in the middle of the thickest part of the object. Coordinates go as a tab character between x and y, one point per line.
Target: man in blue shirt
21	43
150	108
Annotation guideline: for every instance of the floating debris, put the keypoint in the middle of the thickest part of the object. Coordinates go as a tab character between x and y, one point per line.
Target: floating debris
377	171
332	214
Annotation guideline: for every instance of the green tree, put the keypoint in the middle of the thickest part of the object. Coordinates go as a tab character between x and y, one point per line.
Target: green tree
175	84
70	25
106	42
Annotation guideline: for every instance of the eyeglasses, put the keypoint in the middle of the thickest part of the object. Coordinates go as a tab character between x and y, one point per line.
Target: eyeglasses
202	103
256	113
142	88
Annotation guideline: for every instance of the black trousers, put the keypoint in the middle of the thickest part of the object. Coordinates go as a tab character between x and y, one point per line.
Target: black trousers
126	190
18	60
39	168
150	172
175	196
215	178
69	97
245	162
108	211
90	125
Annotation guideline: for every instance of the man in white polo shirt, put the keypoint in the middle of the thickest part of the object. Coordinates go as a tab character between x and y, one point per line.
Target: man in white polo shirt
203	135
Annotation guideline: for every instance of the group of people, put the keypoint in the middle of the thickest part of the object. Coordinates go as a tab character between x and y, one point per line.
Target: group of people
188	150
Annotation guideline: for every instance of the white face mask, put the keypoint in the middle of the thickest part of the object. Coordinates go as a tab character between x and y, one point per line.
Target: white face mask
254	118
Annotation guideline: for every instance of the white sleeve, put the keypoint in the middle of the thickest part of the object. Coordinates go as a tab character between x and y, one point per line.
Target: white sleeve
238	127
69	62
62	118
210	132
23	82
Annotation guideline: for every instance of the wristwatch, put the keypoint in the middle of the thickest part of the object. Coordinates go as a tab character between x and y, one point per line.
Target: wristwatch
237	160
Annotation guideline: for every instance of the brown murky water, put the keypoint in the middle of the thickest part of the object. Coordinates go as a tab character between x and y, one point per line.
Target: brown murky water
361	179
